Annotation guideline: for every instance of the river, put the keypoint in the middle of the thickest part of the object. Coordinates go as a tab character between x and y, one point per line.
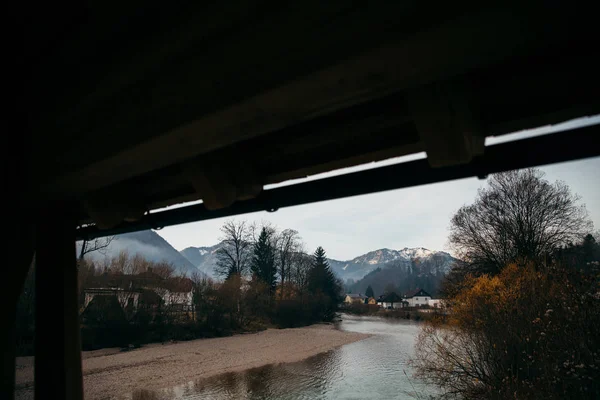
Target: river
374	368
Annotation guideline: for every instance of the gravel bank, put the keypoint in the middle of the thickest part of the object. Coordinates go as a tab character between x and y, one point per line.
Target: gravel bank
109	373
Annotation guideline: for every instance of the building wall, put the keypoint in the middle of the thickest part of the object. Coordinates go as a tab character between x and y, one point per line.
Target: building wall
351	300
418	301
436	303
183	299
394	305
122	296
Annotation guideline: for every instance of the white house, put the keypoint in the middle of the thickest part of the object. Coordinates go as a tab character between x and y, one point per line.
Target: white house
391	301
418	298
436	303
125	297
176	293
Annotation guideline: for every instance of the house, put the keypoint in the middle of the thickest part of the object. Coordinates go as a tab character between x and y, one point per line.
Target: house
417	298
126	298
390	301
177	293
353	298
371	301
436	303
147	290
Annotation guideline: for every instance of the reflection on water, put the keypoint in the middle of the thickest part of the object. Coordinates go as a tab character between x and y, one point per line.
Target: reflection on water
374	368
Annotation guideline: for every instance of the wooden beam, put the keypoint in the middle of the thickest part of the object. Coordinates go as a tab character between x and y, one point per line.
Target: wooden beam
448	129
559	147
464	43
57	338
21	245
222	179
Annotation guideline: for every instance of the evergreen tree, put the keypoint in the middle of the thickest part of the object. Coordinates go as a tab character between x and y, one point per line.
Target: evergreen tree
324	287
262	264
369	292
389	288
590	249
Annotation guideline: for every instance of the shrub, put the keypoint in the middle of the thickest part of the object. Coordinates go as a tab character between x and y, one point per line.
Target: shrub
525	333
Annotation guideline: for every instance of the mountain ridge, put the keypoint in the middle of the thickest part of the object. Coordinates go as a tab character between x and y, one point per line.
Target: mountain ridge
203	257
148	244
154	247
358	267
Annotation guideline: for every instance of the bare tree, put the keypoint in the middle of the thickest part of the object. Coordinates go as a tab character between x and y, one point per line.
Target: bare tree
137	264
99	244
300	269
287	245
164	269
120	263
519	216
235	253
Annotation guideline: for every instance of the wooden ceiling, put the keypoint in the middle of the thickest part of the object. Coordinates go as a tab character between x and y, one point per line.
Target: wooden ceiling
139	108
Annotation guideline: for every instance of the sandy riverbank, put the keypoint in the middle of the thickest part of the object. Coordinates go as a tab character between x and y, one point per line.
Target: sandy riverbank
110	373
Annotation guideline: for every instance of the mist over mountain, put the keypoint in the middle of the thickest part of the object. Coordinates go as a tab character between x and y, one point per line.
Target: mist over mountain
203	258
147	244
377	267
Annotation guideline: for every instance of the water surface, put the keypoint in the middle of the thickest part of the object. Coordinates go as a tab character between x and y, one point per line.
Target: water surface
374	368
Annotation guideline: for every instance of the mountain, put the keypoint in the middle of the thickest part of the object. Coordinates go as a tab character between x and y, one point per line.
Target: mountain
147	244
153	247
405	270
203	258
360	266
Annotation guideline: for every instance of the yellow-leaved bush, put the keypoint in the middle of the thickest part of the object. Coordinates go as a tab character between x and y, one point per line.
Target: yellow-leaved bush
528	332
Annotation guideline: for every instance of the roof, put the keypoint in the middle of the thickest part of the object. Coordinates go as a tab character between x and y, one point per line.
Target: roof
143	280
416	292
149	297
179	284
389	298
356	296
175	128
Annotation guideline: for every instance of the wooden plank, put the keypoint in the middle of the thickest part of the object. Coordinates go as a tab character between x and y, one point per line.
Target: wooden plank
446	124
206	62
449	49
559	147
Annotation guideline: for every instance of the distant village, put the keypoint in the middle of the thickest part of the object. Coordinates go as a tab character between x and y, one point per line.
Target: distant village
148	290
417	298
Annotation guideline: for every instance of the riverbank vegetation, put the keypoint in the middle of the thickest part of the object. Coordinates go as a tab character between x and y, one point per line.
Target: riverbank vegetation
267	280
524	306
409	313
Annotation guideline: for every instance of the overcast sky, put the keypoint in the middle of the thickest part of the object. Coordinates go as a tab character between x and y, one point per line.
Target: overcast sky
412	217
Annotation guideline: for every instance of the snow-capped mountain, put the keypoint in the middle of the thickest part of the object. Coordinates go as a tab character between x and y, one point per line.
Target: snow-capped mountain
404	270
360	266
203	258
383	256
